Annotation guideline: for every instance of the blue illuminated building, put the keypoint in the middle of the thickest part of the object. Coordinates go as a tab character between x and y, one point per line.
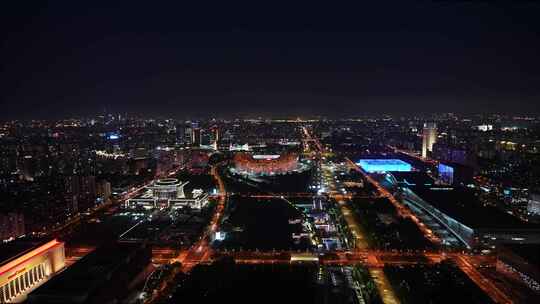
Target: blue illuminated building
113	136
446	174
384	165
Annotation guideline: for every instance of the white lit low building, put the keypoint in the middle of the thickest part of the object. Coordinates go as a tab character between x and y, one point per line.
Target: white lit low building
466	219
533	205
198	200
168	193
167	189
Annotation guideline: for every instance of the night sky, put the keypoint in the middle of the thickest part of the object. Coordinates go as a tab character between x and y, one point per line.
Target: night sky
64	60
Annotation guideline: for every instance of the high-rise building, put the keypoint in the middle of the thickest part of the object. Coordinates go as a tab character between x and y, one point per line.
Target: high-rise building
80	190
188	133
29	167
11	225
104	190
196	137
429	137
72	185
452	153
88	186
215	137
139	153
180	133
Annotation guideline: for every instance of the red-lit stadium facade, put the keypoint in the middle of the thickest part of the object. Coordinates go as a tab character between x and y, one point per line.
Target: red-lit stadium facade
246	163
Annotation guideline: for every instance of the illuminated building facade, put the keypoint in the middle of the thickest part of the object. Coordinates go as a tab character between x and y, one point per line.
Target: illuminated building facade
454	154
533	205
429	137
384	165
167	189
214	140
265	164
455	174
169	193
188	133
446	174
21	274
198	200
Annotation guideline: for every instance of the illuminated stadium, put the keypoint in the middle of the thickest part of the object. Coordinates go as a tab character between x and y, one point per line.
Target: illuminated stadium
384	165
245	163
167	189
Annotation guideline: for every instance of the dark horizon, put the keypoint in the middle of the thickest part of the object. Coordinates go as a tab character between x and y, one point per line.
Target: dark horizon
199	116
63	60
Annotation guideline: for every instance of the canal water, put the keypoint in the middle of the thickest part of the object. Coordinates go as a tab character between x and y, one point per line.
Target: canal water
261	224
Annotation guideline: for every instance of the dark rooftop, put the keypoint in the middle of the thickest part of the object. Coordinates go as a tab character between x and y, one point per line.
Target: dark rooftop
16	248
528	252
88	274
463	205
413	178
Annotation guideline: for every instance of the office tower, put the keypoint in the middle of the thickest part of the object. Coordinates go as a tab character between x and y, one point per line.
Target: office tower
103	190
11	225
214	137
88	186
180	133
72	185
188	134
196	137
429	137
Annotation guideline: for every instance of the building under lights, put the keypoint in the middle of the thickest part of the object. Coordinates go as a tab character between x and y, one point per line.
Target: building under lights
384	165
246	163
11	225
24	272
429	137
533	205
458	210
109	274
196	137
214	137
168	193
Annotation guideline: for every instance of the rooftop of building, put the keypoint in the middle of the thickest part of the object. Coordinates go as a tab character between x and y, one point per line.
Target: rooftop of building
455	165
413	178
89	273
529	252
167	182
463	205
383	161
383	165
14	249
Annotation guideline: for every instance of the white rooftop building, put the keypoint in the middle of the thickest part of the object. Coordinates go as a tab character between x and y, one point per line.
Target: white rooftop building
168	193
